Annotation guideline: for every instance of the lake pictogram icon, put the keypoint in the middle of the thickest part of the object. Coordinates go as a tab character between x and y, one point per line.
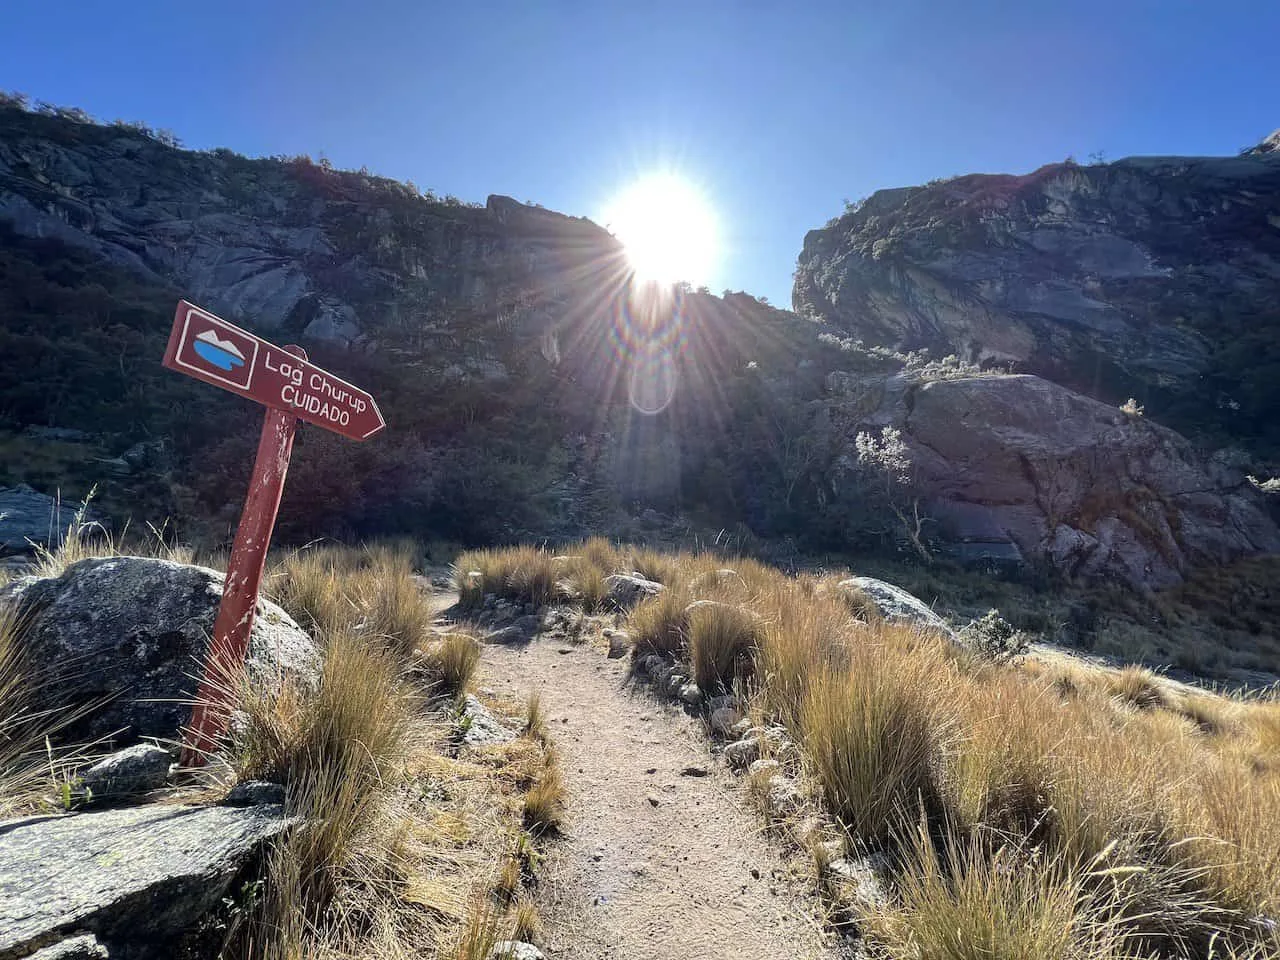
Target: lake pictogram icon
223	354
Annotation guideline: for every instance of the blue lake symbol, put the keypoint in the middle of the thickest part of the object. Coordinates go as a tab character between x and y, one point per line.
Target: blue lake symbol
222	354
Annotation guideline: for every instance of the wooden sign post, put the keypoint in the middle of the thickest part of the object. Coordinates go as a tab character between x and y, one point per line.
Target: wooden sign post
219	353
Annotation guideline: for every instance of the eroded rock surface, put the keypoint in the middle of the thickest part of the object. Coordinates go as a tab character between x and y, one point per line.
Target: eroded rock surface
140	877
1066	480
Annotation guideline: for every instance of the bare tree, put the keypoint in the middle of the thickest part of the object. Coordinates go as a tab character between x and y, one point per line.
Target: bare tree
886	459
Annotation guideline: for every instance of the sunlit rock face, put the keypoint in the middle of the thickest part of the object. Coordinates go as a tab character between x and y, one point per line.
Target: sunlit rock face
1023	468
1151	277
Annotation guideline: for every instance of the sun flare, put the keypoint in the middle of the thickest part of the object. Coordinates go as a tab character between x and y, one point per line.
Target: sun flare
667	227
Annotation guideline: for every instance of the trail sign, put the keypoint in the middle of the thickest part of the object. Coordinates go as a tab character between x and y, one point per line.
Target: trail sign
210	349
219	353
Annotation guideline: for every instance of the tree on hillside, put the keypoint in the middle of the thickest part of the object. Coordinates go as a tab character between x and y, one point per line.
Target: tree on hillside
886	460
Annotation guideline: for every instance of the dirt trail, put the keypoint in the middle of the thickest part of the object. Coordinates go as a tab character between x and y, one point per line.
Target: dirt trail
657	861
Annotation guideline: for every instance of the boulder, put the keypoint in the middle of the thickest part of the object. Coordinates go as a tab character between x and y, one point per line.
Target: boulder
254	793
137	879
27	517
1081	486
129	633
127	773
628	589
894	604
83	947
723	720
619	643
742	753
480	727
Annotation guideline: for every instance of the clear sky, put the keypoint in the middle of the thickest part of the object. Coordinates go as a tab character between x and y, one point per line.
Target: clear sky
778	111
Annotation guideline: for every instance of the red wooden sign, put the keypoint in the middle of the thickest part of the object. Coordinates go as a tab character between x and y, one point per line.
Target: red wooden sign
210	349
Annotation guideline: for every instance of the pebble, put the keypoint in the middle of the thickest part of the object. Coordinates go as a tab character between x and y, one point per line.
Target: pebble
690	693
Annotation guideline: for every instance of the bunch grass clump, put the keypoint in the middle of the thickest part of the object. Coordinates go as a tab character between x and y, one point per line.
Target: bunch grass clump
873	740
722	641
519	574
450	661
659	624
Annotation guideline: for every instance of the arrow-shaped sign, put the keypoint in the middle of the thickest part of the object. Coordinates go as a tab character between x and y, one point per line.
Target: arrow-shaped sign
210	349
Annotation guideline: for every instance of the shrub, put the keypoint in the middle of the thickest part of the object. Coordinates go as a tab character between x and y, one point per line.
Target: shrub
994	639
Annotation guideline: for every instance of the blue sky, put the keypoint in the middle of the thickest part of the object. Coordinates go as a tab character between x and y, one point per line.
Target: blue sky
778	111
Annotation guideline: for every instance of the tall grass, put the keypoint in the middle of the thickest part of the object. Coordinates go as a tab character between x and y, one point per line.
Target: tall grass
519	574
874	742
372	593
722	643
964	903
660	624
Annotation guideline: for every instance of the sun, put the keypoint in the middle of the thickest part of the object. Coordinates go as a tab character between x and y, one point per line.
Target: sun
667	228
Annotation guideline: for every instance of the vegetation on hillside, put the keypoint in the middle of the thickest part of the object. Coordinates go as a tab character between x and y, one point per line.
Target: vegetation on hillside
1026	807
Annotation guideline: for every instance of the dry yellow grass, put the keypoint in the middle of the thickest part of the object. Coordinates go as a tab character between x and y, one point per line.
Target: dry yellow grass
449	661
659	624
722	643
519	574
873	743
376	869
544	802
1072	810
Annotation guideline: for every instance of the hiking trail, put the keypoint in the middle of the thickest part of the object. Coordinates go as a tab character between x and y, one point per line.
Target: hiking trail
660	856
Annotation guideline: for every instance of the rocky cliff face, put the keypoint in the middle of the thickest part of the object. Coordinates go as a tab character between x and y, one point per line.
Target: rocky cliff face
287	245
1151	277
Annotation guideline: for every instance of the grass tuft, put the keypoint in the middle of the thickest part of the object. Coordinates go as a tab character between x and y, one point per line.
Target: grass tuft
535	719
659	624
873	742
450	661
544	802
722	642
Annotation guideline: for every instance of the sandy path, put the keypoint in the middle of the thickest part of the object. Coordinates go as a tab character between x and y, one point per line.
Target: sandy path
655	862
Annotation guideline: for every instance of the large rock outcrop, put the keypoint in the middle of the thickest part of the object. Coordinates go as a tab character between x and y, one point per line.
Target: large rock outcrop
126	635
1055	477
1153	277
133	882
